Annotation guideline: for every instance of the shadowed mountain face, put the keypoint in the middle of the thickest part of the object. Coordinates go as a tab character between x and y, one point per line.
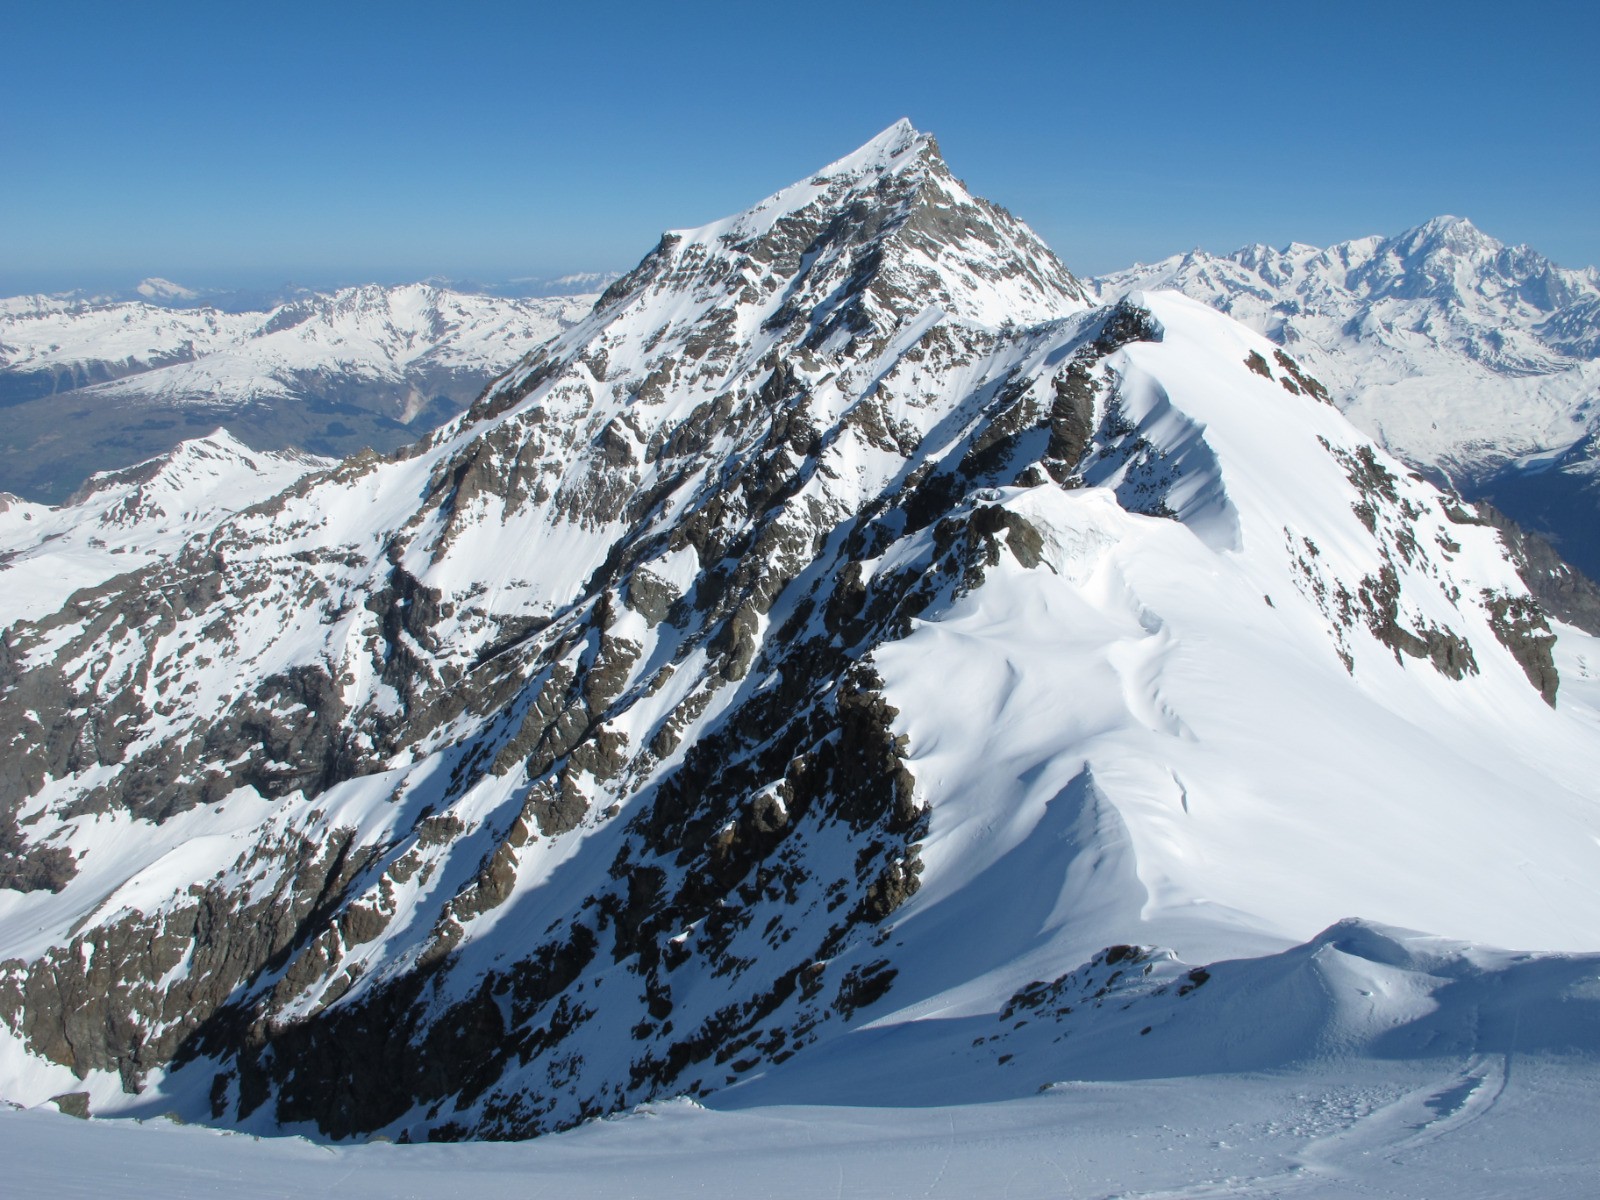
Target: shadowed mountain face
88	387
844	631
1473	361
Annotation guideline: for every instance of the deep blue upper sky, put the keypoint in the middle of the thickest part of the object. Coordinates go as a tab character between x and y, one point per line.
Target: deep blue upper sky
224	144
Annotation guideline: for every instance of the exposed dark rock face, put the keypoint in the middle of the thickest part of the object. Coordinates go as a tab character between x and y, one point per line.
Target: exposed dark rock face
1380	599
73	1104
1560	588
112	1000
31	868
1125	322
1522	629
1376	601
1295	380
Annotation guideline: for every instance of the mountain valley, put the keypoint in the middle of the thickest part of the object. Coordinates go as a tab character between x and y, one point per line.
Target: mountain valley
330	374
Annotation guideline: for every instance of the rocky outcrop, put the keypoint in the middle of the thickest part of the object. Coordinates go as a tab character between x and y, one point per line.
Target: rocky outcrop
1561	589
1522	629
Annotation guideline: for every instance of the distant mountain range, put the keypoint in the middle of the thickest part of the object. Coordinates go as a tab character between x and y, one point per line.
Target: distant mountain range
1476	362
165	293
88	386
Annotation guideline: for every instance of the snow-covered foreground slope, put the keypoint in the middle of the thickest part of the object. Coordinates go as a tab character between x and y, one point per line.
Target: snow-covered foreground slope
847	667
1445	1127
123	520
1461	355
362	366
1368	1062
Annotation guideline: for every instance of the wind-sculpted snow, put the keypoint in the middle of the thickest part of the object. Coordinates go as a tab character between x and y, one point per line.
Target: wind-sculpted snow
1475	361
844	628
1379	1063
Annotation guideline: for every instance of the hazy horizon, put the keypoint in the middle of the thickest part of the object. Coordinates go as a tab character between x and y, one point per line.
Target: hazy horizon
231	280
354	142
250	279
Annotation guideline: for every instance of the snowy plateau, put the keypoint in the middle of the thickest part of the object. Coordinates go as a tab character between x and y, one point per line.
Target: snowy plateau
853	715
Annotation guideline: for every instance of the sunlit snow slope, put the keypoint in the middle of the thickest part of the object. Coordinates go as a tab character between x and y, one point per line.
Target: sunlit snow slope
120	521
1466	357
847	650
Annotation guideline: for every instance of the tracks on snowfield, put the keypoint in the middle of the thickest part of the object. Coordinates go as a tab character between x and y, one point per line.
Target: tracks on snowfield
1423	1115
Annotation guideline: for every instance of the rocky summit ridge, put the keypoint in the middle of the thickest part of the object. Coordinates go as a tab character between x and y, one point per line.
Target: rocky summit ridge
845	638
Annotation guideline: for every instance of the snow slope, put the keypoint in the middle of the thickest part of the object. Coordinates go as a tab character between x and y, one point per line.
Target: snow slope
1379	1063
123	520
1448	1126
846	667
1459	354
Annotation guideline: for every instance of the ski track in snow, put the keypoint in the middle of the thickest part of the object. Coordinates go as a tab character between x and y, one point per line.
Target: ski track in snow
1458	1127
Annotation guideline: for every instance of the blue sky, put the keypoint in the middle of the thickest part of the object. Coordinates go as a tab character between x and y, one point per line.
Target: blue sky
228	144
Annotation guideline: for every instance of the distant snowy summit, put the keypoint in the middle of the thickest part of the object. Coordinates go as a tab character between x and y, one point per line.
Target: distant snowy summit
1507	308
121	521
164	289
166	293
1471	359
329	373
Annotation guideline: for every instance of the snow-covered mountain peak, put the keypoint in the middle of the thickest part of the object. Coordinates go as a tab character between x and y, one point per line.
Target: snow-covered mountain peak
882	151
121	520
1447	260
1443	287
842	625
898	149
203	460
1457	233
158	289
861	248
